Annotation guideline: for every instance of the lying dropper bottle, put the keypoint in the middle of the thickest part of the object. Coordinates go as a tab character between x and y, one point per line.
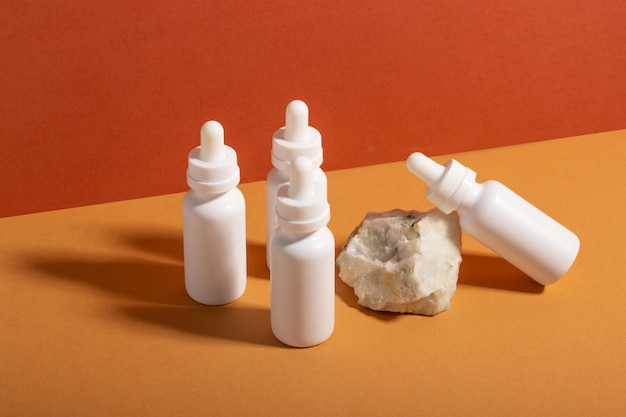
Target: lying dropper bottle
499	219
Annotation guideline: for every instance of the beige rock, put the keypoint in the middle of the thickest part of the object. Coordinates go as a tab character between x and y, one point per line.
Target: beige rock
403	261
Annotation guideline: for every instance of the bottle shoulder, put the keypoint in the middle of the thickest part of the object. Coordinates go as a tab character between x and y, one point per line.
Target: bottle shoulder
322	236
230	199
480	194
493	203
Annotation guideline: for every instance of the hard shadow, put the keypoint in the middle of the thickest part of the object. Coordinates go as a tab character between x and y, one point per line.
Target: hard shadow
158	297
231	322
157	277
494	272
153	292
121	279
164	243
256	261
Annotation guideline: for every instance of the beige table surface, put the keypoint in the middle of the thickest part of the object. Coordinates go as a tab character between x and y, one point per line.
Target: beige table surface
95	319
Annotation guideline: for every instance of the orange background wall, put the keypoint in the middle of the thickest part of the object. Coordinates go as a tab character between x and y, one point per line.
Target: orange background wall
101	101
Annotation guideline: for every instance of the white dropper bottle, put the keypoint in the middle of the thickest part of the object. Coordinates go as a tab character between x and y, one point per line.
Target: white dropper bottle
294	139
214	222
499	218
302	261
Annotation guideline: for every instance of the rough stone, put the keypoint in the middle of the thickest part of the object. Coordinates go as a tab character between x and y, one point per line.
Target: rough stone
403	261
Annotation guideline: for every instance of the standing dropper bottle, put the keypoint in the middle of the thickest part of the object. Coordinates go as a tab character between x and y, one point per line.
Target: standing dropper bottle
302	261
214	221
294	139
500	219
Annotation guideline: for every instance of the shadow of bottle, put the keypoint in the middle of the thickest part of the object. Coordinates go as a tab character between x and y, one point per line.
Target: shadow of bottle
150	289
496	273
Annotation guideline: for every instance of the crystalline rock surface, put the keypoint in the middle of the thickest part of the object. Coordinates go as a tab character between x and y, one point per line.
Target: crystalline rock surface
403	261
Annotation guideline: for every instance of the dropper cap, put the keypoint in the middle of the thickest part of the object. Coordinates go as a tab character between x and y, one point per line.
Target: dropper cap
212	142
296	138
301	205
447	184
212	166
297	122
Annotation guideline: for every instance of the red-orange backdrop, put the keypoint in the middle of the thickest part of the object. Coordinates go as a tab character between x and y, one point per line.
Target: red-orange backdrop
101	101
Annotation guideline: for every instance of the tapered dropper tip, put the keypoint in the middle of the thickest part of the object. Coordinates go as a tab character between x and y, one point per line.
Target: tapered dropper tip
425	168
301	186
297	121
212	142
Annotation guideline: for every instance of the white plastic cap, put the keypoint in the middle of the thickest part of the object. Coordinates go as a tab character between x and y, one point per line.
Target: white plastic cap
297	121
296	138
212	142
301	205
447	184
212	166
